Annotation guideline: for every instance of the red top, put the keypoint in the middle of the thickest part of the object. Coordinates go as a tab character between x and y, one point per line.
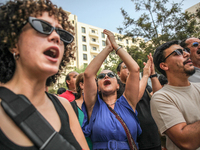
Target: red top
68	95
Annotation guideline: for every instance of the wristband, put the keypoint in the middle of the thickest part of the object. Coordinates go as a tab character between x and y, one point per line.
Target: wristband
153	75
117	49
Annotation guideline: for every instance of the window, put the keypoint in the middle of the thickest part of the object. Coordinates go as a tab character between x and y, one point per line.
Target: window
102	35
119	39
103	43
84	56
83	38
94	48
93	31
72	21
84	47
126	41
93	40
94	56
83	30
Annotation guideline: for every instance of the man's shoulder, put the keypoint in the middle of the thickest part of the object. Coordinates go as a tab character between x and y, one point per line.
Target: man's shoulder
162	90
63	94
66	94
196	76
164	94
195	85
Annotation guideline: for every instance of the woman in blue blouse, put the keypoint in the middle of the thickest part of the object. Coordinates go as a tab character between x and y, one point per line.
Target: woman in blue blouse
100	124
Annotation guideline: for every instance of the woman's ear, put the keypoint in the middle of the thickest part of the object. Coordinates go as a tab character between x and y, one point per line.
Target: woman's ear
118	87
163	66
118	73
81	84
15	50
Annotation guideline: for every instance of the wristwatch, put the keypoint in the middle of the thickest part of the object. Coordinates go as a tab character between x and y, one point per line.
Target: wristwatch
153	75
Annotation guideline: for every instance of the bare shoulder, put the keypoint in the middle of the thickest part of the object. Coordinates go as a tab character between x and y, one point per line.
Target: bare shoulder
65	103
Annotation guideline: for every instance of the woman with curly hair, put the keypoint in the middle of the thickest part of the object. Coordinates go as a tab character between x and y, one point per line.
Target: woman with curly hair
36	42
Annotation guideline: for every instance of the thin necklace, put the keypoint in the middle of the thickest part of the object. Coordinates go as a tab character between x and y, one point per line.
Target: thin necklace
112	103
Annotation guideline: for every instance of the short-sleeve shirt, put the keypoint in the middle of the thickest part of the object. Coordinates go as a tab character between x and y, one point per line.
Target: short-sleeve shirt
68	95
173	105
104	126
196	76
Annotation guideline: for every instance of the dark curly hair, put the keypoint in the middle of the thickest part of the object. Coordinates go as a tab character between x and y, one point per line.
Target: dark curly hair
79	79
159	55
13	15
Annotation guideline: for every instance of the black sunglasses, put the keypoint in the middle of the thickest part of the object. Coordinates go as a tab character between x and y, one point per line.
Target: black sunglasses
195	44
109	74
177	51
45	28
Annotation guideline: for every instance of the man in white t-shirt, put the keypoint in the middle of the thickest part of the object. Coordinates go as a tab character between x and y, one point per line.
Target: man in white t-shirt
176	107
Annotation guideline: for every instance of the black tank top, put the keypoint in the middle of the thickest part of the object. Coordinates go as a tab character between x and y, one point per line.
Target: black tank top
6	144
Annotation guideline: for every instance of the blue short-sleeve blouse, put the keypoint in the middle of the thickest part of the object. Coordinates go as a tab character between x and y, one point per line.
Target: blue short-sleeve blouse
104	126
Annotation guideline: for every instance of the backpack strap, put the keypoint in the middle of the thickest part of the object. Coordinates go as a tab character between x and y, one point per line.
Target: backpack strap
31	122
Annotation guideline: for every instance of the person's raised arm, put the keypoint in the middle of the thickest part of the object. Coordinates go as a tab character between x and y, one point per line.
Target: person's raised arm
144	79
90	86
154	80
132	83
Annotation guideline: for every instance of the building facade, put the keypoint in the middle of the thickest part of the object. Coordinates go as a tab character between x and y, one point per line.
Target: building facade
194	9
89	41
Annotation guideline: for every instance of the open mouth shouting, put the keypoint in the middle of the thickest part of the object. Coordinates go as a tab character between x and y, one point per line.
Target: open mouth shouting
52	53
198	51
106	82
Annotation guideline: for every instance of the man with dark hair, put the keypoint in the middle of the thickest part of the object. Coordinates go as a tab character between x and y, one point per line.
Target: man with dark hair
193	45
149	139
162	79
60	91
175	107
70	82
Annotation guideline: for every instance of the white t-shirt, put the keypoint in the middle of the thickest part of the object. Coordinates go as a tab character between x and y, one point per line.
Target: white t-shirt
173	105
196	76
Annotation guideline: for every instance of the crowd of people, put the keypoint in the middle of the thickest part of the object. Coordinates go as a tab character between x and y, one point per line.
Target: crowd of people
107	111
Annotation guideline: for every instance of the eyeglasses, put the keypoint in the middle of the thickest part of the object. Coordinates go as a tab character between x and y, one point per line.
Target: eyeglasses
177	51
195	44
45	28
109	74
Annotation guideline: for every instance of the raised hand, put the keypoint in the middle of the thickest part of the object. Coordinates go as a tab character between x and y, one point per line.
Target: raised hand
152	64
111	38
109	45
147	68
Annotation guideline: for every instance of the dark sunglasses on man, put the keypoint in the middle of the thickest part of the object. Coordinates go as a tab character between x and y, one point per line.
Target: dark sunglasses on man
45	28
178	52
109	74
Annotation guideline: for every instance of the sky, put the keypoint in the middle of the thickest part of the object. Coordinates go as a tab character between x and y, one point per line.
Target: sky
105	14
